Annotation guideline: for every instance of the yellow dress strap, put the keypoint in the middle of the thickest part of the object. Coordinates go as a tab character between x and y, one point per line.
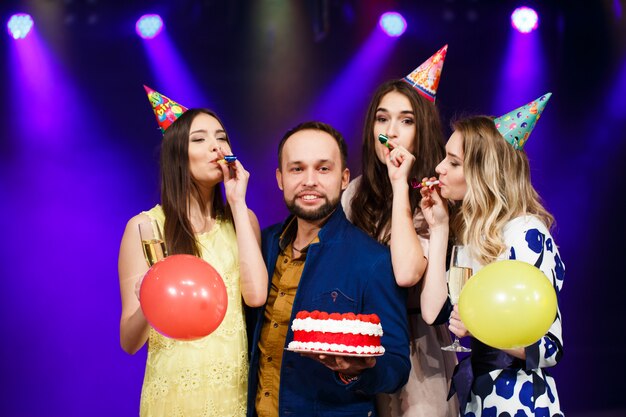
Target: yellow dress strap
157	214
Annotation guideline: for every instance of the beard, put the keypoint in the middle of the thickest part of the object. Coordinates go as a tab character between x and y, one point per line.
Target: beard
315	214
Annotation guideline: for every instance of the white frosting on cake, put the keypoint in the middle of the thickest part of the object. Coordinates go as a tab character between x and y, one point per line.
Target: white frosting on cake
337	326
332	347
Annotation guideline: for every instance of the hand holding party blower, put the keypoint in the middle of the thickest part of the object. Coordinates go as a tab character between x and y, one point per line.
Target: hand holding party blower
423	184
228	159
382	138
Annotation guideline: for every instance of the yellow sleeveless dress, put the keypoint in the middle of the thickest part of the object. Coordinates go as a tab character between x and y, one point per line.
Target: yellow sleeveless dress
205	377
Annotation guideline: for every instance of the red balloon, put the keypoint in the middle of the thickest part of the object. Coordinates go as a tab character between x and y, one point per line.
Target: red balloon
183	297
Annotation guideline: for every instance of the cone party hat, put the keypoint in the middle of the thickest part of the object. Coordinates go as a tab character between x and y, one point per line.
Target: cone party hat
516	125
165	109
425	78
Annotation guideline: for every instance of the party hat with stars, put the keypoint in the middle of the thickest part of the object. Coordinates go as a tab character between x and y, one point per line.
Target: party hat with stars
515	126
165	109
425	78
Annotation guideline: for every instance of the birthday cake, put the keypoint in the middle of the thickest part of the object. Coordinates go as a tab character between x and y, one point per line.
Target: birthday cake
348	333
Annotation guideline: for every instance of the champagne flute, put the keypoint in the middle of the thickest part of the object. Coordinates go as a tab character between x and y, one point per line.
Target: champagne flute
152	241
460	272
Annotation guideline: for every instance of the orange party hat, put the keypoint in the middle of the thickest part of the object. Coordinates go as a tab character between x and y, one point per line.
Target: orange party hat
425	78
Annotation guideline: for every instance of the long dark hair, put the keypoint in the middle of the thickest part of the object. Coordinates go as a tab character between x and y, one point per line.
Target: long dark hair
178	186
371	205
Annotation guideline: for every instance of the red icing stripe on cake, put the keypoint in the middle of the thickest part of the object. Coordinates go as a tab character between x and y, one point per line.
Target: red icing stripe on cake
337	338
335	332
322	315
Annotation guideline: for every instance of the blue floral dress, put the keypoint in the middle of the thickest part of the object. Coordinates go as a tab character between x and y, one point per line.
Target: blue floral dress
492	383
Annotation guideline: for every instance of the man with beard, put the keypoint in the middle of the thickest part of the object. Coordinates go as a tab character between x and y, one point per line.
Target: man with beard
319	261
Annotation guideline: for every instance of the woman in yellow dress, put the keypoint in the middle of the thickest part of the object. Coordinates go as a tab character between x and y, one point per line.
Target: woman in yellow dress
208	376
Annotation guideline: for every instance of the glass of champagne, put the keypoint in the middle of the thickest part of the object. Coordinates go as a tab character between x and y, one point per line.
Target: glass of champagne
460	272
152	241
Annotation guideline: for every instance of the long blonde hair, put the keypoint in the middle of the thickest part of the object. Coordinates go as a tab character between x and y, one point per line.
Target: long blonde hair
498	188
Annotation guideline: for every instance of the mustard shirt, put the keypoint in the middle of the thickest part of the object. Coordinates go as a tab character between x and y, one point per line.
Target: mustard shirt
276	321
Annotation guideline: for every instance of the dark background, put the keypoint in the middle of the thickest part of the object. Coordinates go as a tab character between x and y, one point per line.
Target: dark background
79	148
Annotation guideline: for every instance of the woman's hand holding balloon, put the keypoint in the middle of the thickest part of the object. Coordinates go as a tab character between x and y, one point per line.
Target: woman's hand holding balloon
138	287
456	326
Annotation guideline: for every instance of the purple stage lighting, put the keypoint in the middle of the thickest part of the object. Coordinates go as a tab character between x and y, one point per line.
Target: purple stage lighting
20	25
149	26
392	23
524	19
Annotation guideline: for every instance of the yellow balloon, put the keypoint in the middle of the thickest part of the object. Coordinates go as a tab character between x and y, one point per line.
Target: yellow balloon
508	304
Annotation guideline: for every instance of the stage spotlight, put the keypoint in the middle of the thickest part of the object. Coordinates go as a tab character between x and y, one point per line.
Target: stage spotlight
149	26
392	23
524	19
20	25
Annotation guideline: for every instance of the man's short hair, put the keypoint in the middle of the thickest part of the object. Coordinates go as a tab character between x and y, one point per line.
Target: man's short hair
320	126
